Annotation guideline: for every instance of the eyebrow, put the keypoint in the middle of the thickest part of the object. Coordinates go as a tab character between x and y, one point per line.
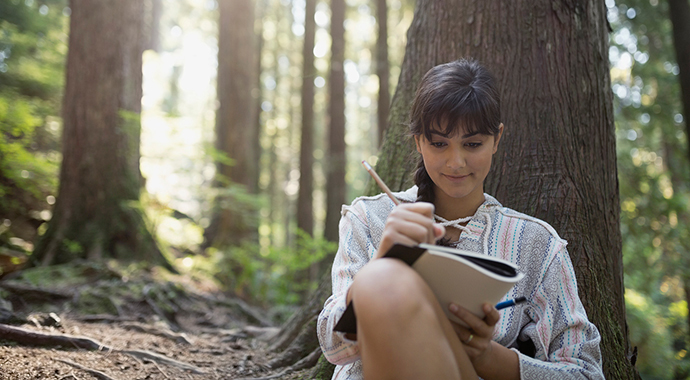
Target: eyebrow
446	135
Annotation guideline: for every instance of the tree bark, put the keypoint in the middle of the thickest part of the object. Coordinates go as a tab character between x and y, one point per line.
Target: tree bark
679	13
305	204
97	213
335	161
234	220
557	159
382	68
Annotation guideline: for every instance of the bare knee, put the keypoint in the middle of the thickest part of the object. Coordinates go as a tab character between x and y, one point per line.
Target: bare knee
388	289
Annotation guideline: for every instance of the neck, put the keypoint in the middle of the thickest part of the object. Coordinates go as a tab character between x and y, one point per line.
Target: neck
456	208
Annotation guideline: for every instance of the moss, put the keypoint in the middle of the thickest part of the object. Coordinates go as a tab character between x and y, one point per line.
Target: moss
323	370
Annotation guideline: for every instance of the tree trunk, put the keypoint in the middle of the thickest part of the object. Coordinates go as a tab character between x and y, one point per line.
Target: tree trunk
382	68
305	204
679	12
335	161
97	213
557	160
235	220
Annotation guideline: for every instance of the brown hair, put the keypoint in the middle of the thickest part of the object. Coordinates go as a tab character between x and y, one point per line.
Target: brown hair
461	95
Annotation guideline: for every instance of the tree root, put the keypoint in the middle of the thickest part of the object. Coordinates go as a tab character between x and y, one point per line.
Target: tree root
155	357
306	362
100	375
177	337
34	293
35	338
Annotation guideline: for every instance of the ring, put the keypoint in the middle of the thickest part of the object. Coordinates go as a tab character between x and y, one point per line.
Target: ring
469	339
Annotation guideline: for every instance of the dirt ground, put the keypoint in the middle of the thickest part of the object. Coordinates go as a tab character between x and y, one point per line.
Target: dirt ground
206	338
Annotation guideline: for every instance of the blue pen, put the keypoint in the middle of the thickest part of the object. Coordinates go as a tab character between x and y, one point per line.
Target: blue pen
509	303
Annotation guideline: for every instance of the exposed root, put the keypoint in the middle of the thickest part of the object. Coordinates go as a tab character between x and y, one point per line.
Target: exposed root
34	338
306	362
177	337
141	354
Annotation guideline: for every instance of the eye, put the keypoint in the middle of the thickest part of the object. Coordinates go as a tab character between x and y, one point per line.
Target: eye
437	144
474	144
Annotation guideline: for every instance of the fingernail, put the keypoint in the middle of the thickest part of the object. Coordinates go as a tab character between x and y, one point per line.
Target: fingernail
453	307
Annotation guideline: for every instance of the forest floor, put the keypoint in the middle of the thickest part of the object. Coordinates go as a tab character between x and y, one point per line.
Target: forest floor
143	326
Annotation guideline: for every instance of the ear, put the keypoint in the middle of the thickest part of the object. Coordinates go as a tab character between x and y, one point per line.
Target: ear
497	139
416	141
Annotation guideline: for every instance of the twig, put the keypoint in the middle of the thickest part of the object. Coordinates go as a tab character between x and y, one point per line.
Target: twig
98	374
161	371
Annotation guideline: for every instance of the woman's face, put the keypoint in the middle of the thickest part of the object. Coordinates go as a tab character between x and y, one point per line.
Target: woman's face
458	164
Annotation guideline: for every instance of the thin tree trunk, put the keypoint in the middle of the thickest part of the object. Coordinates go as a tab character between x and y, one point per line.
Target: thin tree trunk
557	160
97	213
335	162
679	12
382	68
235	222
305	204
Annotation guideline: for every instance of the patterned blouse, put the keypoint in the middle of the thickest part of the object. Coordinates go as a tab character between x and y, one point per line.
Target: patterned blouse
551	329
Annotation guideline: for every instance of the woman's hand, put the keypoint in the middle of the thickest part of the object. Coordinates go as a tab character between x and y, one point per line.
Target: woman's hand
410	224
477	338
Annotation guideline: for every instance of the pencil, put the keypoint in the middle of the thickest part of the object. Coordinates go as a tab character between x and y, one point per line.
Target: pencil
380	182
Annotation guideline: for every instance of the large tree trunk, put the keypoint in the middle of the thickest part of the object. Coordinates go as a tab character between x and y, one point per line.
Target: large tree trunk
305	204
335	160
97	212
234	220
382	68
557	160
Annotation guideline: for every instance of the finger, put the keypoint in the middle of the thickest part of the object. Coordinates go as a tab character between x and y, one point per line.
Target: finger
476	324
492	315
415	225
424	208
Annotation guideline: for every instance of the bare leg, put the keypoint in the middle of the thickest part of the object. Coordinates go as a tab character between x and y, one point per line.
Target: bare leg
401	329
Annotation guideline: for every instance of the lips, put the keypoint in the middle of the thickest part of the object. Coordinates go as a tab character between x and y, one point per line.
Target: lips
456	178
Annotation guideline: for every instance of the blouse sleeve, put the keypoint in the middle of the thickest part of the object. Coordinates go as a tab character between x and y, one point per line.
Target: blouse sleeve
566	342
355	249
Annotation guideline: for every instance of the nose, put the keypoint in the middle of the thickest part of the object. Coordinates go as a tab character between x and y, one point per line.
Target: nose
456	159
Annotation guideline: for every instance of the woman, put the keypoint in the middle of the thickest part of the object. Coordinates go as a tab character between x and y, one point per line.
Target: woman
402	332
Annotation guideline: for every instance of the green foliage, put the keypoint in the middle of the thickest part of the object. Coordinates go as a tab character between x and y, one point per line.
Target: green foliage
649	332
272	276
654	178
33	46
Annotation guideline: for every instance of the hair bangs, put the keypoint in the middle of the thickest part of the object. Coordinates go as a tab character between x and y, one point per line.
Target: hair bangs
460	112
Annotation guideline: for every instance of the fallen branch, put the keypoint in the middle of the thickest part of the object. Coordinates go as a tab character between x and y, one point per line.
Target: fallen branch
98	374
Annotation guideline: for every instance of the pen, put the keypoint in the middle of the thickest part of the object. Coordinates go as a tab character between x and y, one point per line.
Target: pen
380	182
509	303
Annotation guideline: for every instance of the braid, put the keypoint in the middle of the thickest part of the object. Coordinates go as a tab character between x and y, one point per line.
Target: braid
425	193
